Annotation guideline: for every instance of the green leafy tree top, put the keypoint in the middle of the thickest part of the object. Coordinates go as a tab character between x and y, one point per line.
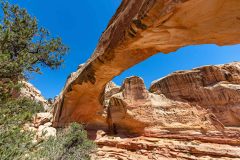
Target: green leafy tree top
24	46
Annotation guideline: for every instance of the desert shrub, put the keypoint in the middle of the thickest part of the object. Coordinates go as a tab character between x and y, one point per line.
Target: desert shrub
15	112
14	142
70	144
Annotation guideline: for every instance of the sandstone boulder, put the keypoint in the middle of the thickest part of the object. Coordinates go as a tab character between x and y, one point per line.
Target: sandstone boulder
42	118
45	132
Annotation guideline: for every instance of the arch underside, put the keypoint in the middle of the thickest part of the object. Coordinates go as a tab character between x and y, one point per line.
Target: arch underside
138	30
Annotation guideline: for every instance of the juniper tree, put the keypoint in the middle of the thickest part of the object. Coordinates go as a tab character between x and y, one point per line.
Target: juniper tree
24	46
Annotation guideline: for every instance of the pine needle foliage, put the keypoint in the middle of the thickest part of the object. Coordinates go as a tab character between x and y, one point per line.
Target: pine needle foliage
24	46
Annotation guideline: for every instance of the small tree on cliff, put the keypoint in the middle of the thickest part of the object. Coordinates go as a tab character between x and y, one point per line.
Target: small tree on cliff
24	46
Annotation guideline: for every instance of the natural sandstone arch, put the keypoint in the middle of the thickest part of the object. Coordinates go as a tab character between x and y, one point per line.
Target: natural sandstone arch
138	30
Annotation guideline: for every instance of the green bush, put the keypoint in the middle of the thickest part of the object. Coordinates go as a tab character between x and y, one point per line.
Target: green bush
70	144
17	111
14	142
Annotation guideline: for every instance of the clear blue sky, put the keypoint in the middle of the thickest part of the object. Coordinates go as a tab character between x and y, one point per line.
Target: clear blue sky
80	24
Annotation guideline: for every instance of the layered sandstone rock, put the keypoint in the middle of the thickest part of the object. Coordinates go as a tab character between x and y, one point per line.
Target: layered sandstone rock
138	30
216	88
206	97
149	148
136	109
161	124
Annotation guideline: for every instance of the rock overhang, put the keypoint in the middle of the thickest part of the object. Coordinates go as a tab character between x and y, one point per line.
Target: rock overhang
138	30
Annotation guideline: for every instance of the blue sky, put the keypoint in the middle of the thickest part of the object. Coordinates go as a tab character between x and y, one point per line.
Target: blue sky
80	24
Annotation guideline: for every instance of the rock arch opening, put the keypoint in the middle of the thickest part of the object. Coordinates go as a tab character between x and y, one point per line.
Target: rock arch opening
138	30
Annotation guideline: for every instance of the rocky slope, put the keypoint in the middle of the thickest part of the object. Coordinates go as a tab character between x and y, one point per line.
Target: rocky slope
30	91
138	30
42	122
185	115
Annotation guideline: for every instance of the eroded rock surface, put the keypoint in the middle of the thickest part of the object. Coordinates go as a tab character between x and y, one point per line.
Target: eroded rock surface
42	118
161	124
30	91
149	148
138	30
136	109
212	87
